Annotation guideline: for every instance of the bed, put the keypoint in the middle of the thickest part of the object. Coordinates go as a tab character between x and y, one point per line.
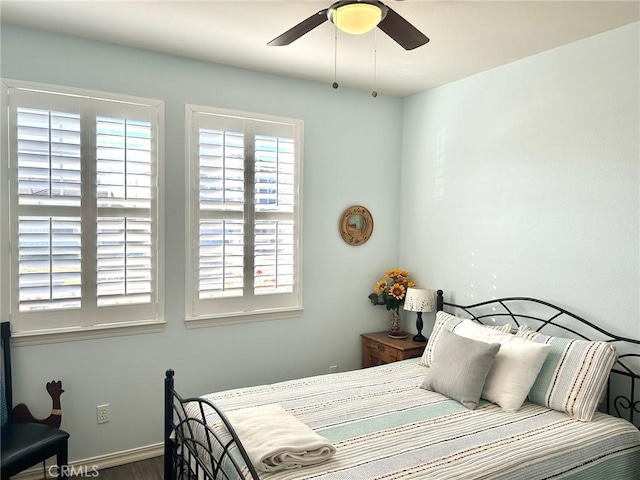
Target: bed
382	423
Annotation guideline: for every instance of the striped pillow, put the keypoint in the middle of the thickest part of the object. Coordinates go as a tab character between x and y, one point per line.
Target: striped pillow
506	328
446	321
573	376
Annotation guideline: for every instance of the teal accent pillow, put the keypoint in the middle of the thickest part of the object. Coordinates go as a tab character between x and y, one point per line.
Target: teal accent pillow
459	368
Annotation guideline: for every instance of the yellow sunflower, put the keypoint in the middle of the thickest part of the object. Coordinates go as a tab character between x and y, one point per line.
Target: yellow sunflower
380	286
397	291
393	273
396	273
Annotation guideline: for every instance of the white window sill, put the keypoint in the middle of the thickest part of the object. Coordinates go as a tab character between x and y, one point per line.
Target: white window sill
59	335
244	317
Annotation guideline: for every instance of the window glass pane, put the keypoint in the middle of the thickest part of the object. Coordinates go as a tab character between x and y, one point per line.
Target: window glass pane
221	269
49	263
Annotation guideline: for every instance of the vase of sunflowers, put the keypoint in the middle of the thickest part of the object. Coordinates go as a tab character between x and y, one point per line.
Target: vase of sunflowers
391	292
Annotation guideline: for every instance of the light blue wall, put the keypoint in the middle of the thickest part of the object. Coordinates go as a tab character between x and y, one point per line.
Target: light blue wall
351	156
525	180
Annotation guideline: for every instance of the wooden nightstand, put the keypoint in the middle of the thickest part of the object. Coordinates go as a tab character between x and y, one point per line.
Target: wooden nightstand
378	348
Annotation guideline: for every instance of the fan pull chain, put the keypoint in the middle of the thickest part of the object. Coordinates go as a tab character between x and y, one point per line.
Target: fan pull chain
374	93
335	58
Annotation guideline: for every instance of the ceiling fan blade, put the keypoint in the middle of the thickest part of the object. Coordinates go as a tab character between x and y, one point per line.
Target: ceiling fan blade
301	29
400	30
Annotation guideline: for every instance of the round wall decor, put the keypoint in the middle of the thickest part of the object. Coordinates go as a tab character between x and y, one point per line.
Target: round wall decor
356	225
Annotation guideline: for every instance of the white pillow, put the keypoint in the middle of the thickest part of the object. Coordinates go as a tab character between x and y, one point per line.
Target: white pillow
515	368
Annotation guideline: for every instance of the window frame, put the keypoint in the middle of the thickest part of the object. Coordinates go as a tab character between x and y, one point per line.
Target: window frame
97	101
194	319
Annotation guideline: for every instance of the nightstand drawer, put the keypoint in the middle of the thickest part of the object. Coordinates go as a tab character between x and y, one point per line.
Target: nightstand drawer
378	349
383	357
380	354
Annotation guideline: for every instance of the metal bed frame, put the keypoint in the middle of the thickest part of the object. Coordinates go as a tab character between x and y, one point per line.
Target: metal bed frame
209	456
201	457
623	375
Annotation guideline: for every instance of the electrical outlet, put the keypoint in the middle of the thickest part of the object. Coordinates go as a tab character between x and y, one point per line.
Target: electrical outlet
103	413
333	368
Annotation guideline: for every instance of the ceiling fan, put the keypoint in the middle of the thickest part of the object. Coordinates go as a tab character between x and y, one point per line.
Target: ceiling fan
358	16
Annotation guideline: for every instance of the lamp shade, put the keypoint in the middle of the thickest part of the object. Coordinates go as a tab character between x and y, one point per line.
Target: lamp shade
356	18
419	300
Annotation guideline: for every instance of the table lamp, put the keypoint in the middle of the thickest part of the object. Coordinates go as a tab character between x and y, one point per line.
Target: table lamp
419	300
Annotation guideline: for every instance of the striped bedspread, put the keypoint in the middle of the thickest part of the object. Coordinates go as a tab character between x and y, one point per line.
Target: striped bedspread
385	427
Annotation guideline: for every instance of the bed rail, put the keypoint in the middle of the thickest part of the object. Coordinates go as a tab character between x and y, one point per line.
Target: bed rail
195	450
622	396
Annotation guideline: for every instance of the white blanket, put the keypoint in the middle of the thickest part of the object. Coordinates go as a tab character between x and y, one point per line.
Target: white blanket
275	440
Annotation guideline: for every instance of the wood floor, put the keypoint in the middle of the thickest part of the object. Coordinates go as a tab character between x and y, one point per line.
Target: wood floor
150	469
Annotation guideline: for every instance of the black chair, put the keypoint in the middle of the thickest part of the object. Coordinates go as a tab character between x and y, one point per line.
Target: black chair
27	444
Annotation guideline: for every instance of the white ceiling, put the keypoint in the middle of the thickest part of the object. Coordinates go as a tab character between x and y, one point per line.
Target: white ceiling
467	37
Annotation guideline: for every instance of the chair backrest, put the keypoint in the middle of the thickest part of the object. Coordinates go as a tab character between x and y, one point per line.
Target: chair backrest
7	400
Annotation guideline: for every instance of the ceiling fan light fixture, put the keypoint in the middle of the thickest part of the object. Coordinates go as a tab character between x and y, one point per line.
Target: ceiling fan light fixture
356	18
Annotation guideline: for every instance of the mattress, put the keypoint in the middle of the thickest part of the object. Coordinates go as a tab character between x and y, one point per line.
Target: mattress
384	426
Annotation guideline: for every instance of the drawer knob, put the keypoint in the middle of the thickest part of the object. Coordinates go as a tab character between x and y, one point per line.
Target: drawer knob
380	347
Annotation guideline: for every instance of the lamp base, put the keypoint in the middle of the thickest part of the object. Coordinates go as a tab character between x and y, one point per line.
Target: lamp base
419	324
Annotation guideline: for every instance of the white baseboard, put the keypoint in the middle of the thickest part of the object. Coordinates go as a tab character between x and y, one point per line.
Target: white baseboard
90	466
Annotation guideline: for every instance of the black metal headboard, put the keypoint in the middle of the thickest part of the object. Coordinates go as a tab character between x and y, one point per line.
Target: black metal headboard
623	389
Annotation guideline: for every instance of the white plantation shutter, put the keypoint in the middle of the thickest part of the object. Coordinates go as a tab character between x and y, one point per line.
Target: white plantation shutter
244	222
83	174
48	157
221	167
124	265
274	207
49	263
124	229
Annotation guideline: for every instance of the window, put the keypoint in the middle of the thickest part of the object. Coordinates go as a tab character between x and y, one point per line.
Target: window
83	206
244	221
